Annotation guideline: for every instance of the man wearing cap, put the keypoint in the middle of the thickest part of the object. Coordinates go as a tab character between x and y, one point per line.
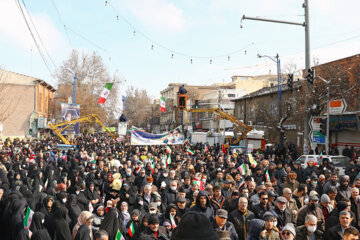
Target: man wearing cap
271	231
283	214
241	217
222	225
181	207
311	186
153	230
312	208
325	206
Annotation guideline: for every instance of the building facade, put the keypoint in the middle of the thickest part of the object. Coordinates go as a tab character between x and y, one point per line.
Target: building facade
27	104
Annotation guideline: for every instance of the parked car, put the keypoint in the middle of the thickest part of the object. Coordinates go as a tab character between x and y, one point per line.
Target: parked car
304	159
340	162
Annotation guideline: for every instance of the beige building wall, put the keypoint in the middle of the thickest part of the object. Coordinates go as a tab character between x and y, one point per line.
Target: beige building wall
21	108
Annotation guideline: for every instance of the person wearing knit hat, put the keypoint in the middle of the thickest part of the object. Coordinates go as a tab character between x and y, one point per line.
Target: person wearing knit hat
289	232
272	232
194	226
325	206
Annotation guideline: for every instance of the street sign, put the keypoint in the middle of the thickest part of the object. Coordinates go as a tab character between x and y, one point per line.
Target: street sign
317	137
315	122
337	106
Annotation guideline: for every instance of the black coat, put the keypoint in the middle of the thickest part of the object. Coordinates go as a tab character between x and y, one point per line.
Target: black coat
302	234
241	222
334	233
229	227
83	233
208	211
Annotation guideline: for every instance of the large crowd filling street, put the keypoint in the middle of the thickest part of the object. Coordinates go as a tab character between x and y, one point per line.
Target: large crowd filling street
104	188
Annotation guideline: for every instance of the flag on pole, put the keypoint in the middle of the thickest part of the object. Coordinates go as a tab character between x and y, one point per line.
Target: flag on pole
46	183
257	154
242	169
267	176
190	152
242	182
152	166
131	230
253	163
91	208
119	236
168	149
28	217
321	156
162	104
173	224
168	160
105	93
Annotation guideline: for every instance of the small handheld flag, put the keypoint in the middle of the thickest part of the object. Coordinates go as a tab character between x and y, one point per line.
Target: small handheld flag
190	152
253	163
173	224
131	230
119	236
242	169
267	176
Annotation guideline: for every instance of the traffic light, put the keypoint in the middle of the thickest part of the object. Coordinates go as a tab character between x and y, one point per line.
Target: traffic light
323	126
182	101
30	131
290	81
196	104
310	76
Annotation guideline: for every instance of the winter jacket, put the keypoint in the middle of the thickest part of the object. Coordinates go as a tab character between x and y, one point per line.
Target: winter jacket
241	222
208	211
302	234
317	213
229	227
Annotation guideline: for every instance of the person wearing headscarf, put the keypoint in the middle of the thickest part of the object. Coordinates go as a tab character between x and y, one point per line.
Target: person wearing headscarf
82	229
37	222
59	225
74	209
136	221
41	235
92	194
124	208
17	217
113	221
98	217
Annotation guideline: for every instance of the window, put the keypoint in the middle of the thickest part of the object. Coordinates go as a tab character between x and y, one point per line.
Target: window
241	111
273	108
231	95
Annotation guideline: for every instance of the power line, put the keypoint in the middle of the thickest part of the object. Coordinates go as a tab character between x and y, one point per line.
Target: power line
60	18
37	33
87	40
33	37
137	31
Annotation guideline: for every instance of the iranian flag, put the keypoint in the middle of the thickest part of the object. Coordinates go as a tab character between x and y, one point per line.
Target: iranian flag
242	169
168	149
267	176
119	236
162	104
131	230
173	224
190	152
199	183
242	183
168	160
105	93
28	217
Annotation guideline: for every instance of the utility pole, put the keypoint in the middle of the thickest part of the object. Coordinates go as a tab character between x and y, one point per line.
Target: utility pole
74	89
327	137
306	25
277	61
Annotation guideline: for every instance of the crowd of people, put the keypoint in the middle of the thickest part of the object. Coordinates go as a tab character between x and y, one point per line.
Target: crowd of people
107	189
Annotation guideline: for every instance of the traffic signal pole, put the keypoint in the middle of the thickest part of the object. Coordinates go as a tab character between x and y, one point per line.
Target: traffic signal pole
306	25
327	114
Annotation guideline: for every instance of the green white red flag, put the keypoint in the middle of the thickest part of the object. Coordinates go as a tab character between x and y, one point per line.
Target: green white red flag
119	236
168	160
242	169
28	217
105	93
131	230
162	104
168	149
190	152
267	176
173	224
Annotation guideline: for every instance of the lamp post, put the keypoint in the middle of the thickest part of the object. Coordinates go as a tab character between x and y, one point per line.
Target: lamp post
276	59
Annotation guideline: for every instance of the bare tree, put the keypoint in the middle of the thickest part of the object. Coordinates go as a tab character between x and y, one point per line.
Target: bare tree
138	107
91	75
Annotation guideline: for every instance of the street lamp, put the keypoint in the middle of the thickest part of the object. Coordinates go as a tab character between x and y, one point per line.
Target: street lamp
276	59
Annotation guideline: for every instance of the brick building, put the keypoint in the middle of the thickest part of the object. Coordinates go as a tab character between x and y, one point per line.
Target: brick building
26	104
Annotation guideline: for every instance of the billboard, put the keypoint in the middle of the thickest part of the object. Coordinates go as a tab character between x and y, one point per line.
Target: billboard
70	112
140	137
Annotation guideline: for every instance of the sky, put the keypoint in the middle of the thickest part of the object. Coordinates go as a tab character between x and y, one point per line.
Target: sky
151	43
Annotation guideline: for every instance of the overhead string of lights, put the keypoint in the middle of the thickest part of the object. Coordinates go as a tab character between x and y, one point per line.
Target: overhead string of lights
154	43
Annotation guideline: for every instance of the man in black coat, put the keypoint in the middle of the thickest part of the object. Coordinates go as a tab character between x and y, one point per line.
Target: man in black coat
337	232
169	195
262	207
282	213
241	217
221	224
154	231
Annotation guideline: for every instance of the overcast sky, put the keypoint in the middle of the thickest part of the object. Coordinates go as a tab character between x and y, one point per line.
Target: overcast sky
188	29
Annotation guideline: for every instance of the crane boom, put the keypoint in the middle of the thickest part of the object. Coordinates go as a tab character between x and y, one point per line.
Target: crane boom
243	128
87	119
